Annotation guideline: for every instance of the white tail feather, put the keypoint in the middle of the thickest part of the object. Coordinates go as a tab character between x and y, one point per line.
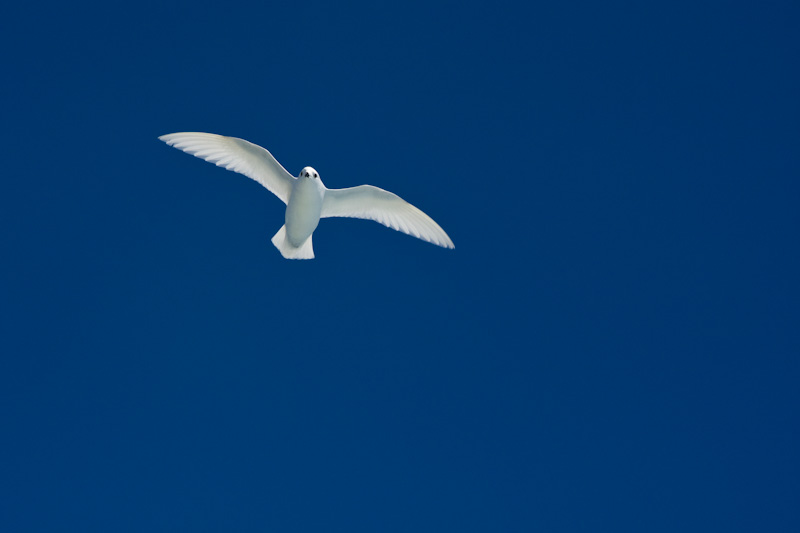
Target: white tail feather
304	251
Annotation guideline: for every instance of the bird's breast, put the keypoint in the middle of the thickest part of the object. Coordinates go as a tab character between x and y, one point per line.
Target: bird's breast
303	210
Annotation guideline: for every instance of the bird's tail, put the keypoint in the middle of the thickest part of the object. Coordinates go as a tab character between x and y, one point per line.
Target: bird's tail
304	251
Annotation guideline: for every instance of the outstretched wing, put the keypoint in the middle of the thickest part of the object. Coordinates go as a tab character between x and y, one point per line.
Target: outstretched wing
372	203
237	155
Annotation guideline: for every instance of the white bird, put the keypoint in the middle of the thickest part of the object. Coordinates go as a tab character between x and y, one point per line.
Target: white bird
306	198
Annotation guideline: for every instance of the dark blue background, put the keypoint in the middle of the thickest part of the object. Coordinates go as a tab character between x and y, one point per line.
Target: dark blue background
612	346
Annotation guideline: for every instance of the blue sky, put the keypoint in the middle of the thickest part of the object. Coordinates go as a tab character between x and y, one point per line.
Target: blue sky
612	345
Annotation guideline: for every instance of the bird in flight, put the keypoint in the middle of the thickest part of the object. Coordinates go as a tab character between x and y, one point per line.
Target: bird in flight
306	197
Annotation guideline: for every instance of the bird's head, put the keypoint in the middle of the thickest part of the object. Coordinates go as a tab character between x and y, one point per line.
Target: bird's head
309	172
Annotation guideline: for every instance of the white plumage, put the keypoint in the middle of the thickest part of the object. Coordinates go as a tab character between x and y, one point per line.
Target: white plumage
306	197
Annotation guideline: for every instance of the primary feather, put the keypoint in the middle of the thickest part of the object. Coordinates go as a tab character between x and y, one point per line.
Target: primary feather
373	203
237	155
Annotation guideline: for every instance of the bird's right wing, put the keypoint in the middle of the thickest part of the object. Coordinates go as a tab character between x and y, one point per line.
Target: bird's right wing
237	155
372	203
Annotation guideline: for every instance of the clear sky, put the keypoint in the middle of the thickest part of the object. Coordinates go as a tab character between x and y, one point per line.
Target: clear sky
612	346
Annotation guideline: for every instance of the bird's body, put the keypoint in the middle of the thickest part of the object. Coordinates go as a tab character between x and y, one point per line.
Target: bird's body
304	209
306	197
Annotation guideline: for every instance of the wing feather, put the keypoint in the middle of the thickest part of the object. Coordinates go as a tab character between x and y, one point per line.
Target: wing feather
237	155
384	207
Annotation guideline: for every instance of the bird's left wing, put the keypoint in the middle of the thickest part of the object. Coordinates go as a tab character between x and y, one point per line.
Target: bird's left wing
237	155
372	203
